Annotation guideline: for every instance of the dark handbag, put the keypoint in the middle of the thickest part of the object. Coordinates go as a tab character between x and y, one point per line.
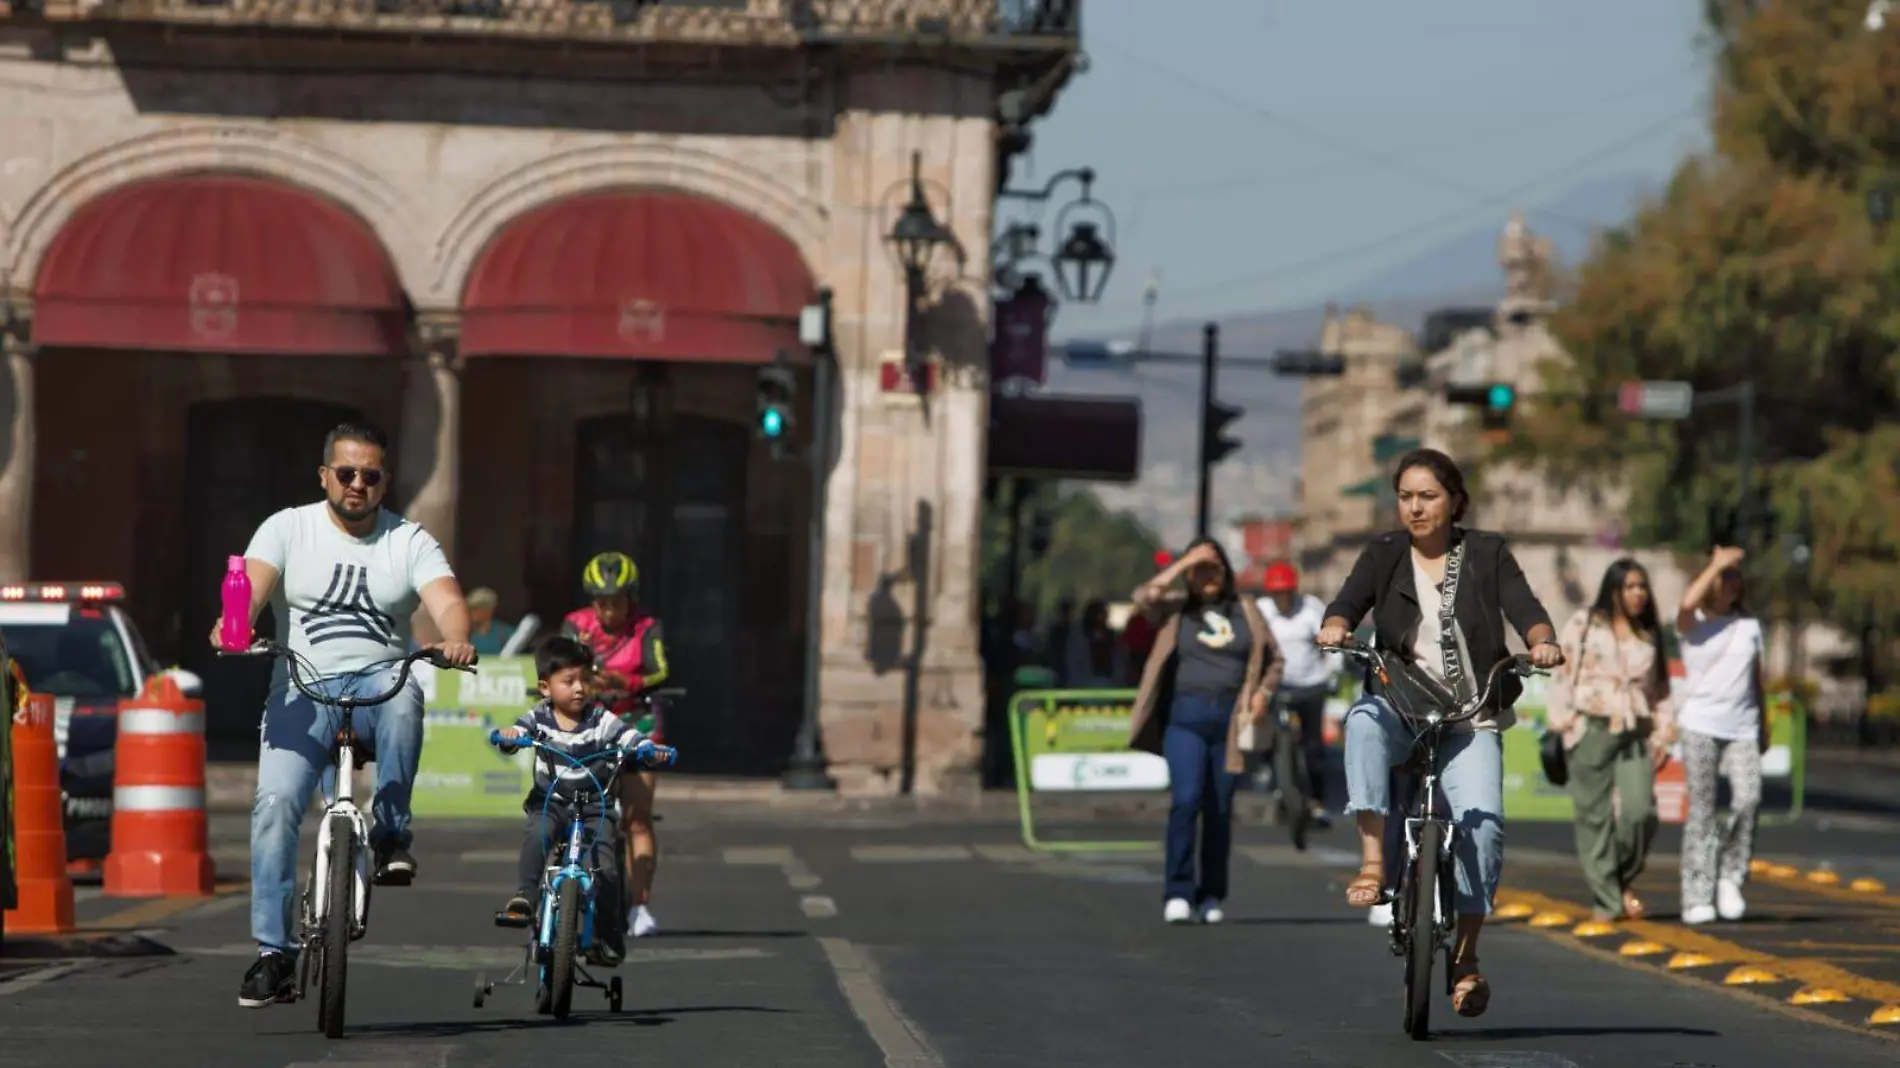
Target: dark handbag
1550	749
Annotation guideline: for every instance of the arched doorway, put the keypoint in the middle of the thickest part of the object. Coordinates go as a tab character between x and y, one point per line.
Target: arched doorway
244	460
677	503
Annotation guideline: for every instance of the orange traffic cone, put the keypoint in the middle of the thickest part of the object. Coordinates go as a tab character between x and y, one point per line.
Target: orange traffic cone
158	798
39	831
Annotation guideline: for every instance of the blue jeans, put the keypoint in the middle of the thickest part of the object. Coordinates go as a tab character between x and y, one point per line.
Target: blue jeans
297	734
1471	781
1200	786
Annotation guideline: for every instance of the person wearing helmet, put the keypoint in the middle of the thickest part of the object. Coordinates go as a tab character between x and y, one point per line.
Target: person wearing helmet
629	658
1310	677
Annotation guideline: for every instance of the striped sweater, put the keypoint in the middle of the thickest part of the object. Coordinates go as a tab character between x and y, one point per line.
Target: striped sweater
598	729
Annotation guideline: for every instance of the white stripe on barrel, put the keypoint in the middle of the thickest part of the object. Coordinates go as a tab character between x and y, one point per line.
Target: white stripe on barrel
157	798
160	721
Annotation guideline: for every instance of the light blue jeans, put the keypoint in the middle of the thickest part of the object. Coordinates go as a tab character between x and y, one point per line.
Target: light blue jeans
295	753
1471	783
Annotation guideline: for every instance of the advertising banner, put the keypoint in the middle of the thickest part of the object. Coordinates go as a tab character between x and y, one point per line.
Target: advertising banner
461	774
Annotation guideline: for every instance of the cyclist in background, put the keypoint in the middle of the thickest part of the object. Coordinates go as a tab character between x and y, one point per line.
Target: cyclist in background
628	659
1310	676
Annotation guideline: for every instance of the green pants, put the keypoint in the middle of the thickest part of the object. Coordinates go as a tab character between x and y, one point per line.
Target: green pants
1612	841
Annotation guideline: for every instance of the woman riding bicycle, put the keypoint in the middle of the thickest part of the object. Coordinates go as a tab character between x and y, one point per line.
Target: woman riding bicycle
1401	578
629	659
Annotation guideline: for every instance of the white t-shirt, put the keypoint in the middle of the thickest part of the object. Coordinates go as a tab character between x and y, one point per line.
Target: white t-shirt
1719	656
1306	665
344	602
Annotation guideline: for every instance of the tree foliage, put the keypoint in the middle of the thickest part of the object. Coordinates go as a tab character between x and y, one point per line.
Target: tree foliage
1758	261
1093	553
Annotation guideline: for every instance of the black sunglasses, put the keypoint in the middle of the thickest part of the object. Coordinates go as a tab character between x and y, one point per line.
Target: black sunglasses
346	475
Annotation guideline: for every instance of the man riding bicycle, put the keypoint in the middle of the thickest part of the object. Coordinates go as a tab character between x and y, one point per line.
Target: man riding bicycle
629	659
1310	676
351	576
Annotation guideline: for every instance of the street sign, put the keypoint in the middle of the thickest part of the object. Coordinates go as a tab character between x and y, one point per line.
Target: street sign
1656	400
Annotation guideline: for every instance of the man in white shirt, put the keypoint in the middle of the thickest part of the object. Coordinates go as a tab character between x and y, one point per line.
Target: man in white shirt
1310	676
343	577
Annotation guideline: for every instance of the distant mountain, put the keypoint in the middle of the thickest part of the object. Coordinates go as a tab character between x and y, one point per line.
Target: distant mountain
1461	271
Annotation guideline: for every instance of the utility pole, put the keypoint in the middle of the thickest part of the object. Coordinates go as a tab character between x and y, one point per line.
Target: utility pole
1210	351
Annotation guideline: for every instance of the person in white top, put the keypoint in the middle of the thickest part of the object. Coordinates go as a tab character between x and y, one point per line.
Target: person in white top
1310	677
1723	731
343	577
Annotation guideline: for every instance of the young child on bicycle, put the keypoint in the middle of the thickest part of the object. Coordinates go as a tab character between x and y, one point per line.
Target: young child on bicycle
571	719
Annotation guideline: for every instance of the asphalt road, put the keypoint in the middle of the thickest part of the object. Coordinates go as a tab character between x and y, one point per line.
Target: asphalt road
794	938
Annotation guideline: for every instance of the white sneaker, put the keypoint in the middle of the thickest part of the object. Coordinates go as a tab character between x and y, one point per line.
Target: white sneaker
1211	912
1698	914
1728	901
642	923
1379	915
1177	910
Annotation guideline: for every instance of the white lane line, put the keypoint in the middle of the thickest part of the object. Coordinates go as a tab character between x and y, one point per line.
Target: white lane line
818	908
20	983
901	854
900	1040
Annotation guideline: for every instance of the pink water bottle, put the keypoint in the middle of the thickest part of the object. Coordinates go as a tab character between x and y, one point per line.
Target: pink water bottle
235	635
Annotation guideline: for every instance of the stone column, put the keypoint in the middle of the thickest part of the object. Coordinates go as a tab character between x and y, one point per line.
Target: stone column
427	463
16	465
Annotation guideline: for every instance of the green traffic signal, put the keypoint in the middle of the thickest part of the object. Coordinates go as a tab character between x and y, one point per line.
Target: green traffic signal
772	423
1501	396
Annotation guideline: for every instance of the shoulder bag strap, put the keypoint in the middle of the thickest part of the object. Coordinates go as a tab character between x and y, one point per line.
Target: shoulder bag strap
1455	673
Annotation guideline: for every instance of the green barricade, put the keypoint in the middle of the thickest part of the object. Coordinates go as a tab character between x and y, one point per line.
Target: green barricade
460	773
1530	796
1076	741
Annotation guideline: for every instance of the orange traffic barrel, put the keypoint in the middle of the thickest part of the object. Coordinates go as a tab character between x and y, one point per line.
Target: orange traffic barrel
158	798
39	830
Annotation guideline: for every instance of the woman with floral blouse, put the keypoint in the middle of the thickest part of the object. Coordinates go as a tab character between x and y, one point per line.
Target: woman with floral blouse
1613	710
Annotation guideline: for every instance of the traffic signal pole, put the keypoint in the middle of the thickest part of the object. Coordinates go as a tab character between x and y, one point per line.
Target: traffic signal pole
1210	352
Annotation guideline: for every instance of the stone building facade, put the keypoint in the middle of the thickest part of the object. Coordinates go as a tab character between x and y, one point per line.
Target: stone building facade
547	243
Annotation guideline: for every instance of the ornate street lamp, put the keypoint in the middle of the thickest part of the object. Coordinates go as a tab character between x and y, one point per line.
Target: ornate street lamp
1083	251
1085	255
917	233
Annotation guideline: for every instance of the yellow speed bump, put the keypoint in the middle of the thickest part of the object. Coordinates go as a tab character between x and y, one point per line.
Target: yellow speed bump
1867	886
1886	1014
1594	929
1641	949
1782	871
1817	995
1758	866
1516	910
1824	878
1685	960
1749	975
1549	919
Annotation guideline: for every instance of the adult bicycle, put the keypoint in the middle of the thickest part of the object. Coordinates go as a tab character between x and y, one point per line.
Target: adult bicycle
565	929
1290	775
1424	914
336	899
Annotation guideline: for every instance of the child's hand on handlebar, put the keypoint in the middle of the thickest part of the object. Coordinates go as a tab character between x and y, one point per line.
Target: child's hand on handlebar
648	754
507	740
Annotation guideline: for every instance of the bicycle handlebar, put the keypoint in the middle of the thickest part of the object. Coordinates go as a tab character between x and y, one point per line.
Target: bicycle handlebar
1519	663
646	751
268	647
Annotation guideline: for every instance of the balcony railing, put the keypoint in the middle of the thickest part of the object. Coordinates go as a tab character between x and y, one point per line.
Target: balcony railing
780	23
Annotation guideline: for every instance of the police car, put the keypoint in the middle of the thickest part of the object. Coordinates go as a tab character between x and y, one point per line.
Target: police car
75	644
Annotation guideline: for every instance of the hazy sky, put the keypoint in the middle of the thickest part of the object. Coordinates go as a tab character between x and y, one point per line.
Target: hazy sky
1267	153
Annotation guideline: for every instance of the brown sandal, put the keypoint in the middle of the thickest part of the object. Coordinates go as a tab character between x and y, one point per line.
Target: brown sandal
1370	880
1470	992
1633	906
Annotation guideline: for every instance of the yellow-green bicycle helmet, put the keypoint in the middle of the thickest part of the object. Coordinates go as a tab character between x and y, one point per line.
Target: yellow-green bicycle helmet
610	573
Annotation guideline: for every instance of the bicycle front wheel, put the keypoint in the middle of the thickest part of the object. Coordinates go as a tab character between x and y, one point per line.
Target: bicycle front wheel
1289	768
1420	907
567	936
333	973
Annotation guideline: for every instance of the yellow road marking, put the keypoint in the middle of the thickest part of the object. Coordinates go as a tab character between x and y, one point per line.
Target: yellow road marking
1859	892
1806	970
1748	975
147	913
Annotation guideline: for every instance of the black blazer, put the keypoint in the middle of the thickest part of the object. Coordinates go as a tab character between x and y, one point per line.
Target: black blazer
1491	588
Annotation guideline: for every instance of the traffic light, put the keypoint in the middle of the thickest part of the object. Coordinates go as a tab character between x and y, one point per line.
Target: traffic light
773	391
1214	425
1308	363
1495	399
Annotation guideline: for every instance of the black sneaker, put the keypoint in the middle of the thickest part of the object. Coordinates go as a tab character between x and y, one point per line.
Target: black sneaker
272	978
394	865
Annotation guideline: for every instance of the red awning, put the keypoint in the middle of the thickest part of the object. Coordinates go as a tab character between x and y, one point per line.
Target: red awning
218	263
1091	438
641	274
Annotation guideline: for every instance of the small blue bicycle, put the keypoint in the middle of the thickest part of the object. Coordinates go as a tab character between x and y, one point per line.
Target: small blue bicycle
565	930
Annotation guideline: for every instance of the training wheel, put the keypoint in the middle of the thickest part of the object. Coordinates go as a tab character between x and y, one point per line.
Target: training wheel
481	988
613	994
